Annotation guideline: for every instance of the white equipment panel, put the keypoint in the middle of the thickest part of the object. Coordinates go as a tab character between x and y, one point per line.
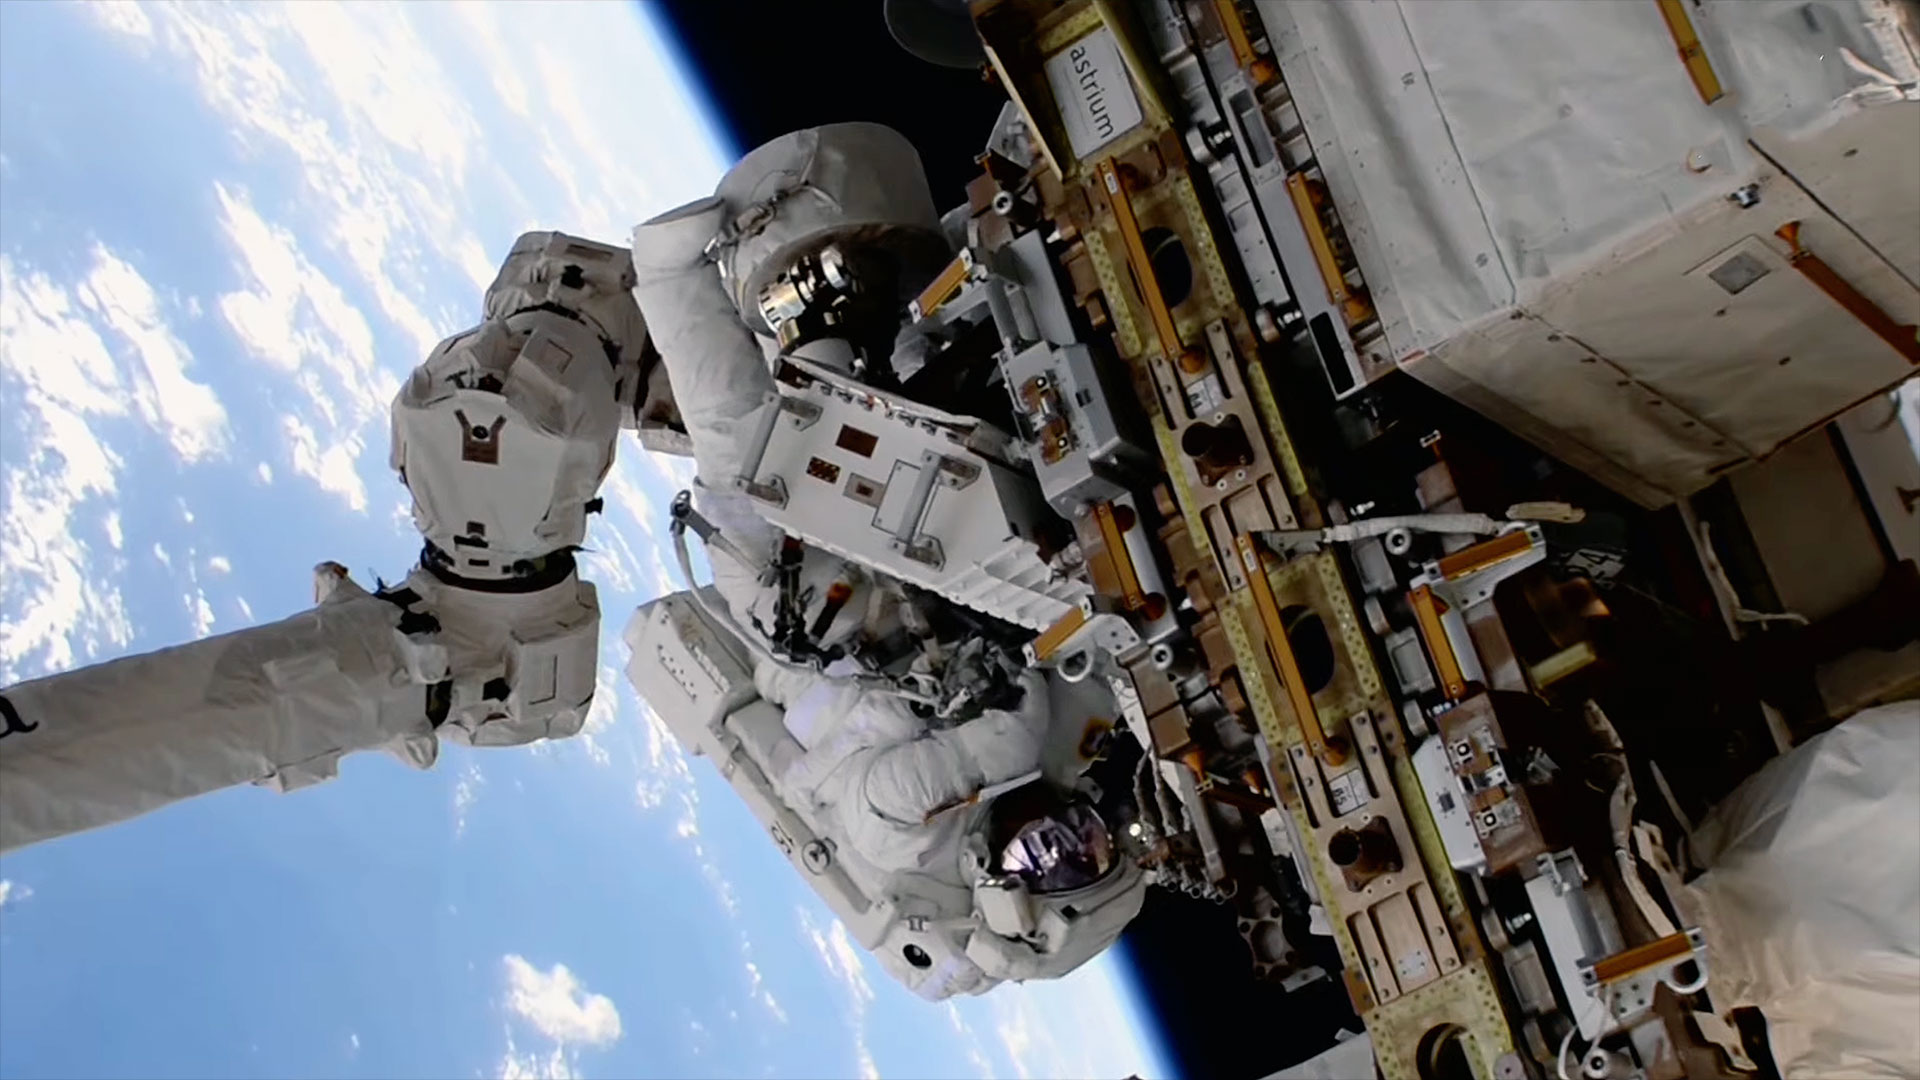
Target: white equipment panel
1636	312
907	490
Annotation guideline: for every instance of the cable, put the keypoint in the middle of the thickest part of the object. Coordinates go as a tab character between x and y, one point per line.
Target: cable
1560	1059
724	618
760	648
1468	524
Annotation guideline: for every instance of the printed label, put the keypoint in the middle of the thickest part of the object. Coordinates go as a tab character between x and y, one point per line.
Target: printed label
1095	95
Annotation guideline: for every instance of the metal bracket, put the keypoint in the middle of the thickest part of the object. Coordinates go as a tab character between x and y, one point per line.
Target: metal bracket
1574	876
951	472
935	468
924	550
1626	980
805	413
775	491
772	490
1469	577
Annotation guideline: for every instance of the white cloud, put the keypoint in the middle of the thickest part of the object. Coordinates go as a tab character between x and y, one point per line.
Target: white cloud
601	715
67	384
219	564
381	136
609	562
201	613
187	412
757	985
353	1043
298	321
295	317
385	77
383	140
13	894
53	346
265	471
976	1052
664	772
612	559
845	961
841	957
476	262
124	16
466	790
558	1064
501	61
559	1006
710	873
1016	1034
335	468
59	380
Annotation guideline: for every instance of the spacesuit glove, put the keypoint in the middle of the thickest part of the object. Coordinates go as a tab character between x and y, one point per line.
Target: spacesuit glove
915	781
1001	745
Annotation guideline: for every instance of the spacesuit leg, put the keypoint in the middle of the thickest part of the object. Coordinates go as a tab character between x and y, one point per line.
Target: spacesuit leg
276	705
719	375
722	388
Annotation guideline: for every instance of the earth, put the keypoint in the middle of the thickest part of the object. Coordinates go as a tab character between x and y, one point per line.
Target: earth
226	234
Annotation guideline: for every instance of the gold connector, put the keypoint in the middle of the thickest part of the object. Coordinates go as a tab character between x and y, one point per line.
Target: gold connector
1118	557
1426	613
1129	226
1484	554
1870	315
1692	53
944	287
1043	647
1280	651
1355	308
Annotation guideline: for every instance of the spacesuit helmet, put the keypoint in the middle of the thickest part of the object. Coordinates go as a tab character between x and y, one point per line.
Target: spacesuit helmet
1051	843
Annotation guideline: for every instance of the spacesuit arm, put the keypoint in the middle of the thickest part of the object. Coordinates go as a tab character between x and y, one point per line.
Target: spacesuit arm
913	782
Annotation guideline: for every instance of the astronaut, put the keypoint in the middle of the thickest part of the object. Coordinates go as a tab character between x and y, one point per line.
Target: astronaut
943	849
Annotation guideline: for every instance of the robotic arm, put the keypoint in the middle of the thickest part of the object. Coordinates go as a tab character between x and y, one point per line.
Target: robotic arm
274	705
502	436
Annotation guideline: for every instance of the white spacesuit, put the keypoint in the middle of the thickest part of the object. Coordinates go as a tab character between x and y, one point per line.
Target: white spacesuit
891	819
903	830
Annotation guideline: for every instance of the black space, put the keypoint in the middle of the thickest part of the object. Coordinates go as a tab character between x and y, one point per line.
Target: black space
774	67
1217	1021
